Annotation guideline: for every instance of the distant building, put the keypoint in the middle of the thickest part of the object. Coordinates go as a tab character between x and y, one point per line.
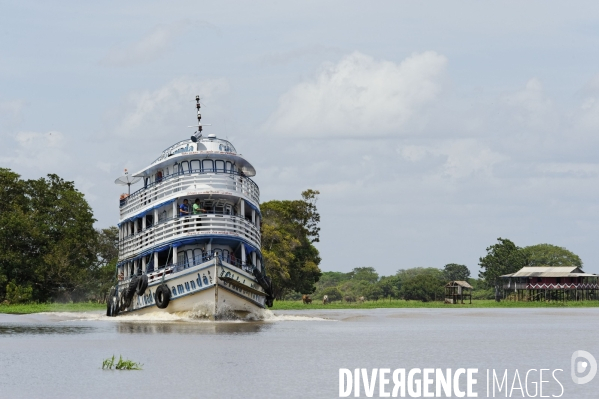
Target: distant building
546	283
457	291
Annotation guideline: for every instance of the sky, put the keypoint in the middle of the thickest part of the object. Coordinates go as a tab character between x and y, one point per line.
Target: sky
429	128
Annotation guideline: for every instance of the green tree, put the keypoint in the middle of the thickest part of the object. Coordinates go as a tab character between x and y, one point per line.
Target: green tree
455	272
46	237
65	223
550	255
423	284
20	241
18	294
288	230
502	258
106	248
367	274
374	292
331	279
389	286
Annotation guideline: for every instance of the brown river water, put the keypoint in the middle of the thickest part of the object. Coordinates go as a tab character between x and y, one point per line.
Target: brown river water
289	354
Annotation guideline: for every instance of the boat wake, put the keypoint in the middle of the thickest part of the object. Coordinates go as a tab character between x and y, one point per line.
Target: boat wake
200	313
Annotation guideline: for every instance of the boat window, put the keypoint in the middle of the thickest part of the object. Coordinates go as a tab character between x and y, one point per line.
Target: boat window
229	167
225	255
184	167
162	216
166	171
175	169
195	166
146	181
158	176
217	252
228	209
220	166
207	165
197	256
182	258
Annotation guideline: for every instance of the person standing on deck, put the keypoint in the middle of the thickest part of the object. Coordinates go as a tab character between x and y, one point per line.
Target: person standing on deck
197	210
184	208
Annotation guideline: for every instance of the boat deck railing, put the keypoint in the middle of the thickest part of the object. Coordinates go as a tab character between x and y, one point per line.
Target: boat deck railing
188	227
168	185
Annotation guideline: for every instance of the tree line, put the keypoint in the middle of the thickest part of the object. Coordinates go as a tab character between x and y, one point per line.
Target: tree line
427	283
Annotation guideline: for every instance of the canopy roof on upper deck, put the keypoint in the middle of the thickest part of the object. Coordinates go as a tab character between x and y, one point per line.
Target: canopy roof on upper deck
550	271
206	147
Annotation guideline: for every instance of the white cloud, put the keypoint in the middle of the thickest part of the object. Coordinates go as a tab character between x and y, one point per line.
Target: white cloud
286	57
10	111
413	153
158	113
530	107
588	115
570	170
469	157
35	150
463	157
148	48
359	96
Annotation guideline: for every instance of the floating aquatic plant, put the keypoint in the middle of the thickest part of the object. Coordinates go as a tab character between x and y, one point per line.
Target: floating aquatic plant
109	364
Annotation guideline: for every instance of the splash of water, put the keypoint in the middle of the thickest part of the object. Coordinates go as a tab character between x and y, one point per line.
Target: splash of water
202	312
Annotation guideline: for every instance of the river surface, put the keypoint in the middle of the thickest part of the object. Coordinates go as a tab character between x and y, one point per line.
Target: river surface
290	354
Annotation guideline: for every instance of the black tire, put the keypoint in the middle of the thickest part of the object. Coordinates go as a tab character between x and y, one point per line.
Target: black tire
163	296
142	284
132	286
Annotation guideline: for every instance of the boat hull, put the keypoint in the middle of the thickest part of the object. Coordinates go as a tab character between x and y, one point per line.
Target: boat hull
213	290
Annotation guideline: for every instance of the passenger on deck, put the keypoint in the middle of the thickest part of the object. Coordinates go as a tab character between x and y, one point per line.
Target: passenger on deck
184	208
197	210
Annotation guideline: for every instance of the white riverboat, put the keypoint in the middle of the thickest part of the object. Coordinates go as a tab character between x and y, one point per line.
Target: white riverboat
189	239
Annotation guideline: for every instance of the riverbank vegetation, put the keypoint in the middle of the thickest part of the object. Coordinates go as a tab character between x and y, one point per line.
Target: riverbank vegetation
426	284
27	308
403	304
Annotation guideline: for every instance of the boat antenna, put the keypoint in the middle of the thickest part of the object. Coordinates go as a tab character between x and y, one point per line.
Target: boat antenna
127	180
198	133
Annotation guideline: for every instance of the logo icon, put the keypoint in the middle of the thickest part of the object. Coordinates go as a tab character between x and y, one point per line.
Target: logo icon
581	362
